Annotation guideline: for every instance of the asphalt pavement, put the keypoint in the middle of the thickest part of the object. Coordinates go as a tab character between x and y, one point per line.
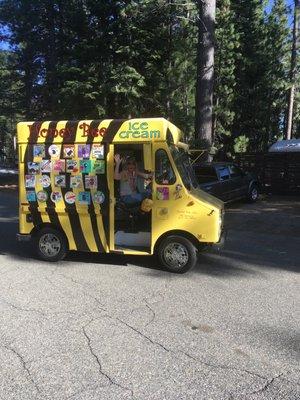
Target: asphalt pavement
96	327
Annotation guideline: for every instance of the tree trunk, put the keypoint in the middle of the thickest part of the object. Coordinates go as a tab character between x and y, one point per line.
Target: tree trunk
291	96
205	72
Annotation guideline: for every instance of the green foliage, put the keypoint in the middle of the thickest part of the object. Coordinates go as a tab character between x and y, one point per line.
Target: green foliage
127	58
227	54
241	144
10	104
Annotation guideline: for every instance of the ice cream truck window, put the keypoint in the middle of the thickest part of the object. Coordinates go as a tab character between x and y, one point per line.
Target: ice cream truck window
185	169
164	174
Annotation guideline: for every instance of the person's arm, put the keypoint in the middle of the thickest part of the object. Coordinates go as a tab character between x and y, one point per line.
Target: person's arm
145	176
118	161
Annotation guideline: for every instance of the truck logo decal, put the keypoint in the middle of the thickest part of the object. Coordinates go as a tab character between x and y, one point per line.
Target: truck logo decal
86	131
139	130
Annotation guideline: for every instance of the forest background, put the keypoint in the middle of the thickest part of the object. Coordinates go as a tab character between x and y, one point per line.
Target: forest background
94	59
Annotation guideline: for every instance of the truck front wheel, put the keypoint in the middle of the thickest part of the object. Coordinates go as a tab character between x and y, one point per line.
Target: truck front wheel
253	193
177	254
51	244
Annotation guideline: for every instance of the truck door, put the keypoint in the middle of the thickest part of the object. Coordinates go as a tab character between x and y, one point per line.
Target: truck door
225	188
164	191
129	187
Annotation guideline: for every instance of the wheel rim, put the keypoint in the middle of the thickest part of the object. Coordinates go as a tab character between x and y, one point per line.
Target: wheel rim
176	255
49	245
254	194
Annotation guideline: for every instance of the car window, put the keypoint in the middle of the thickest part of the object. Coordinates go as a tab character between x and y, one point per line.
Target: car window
234	171
223	172
164	173
206	174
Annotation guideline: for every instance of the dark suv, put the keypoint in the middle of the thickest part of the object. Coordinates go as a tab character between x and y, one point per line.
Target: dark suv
227	181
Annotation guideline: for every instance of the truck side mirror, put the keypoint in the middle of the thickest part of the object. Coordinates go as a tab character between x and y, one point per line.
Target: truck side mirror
147	153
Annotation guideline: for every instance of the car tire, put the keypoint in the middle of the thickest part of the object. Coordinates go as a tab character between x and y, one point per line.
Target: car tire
177	254
253	194
51	244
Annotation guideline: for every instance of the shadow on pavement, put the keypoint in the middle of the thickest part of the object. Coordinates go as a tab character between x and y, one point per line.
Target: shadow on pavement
252	245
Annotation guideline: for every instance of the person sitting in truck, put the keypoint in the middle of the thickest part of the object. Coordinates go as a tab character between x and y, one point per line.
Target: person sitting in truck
128	180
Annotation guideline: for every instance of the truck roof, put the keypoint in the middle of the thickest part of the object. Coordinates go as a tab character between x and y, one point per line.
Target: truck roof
106	131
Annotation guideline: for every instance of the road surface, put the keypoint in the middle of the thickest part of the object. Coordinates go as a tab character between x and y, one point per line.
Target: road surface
97	327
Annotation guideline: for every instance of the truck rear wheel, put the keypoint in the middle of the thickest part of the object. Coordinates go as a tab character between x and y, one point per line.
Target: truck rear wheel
51	244
177	254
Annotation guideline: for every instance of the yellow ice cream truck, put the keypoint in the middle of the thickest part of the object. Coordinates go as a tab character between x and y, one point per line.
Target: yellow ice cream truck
113	186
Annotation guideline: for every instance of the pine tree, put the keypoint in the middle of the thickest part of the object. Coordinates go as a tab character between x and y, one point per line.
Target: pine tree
277	65
10	102
227	53
250	106
205	71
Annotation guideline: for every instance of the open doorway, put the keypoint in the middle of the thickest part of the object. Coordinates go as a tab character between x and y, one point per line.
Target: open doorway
133	190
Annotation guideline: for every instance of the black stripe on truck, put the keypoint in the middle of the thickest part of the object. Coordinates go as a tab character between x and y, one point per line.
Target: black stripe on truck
91	209
108	138
28	157
51	207
81	243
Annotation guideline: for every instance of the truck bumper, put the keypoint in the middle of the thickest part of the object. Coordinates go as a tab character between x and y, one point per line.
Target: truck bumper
23	237
220	244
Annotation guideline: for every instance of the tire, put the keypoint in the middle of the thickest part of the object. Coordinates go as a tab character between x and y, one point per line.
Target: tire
177	254
253	194
51	244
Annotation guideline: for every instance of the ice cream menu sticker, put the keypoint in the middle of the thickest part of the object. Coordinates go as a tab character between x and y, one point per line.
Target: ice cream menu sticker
99	167
84	150
91	182
29	181
46	166
162	193
84	198
98	151
75	167
69	150
39	150
72	166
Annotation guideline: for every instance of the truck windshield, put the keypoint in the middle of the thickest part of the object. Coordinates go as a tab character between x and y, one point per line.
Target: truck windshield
185	169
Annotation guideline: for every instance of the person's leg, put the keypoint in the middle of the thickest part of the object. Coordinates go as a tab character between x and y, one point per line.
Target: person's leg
147	194
137	197
131	199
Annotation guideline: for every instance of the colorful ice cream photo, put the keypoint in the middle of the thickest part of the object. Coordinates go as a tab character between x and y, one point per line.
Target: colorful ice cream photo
162	193
72	166
45	181
84	198
54	151
56	196
70	198
60	180
42	196
31	196
85	166
69	150
34	167
98	151
90	182
30	181
84	150
98	197
59	166
46	166
76	181
39	150
99	167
